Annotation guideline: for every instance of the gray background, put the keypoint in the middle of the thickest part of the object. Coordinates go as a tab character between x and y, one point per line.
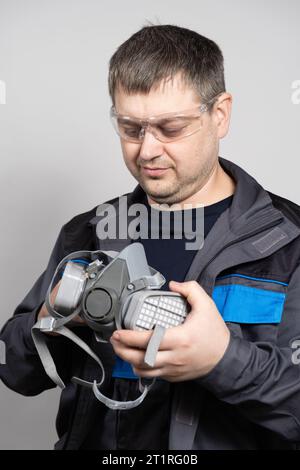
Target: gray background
59	155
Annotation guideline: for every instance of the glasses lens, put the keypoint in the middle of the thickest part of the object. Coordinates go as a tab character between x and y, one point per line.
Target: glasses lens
176	128
127	128
172	128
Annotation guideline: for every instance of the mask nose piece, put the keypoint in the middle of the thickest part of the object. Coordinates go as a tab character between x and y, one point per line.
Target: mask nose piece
146	127
142	133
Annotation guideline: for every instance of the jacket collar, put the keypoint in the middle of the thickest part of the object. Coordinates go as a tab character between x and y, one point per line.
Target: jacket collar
250	202
250	210
249	230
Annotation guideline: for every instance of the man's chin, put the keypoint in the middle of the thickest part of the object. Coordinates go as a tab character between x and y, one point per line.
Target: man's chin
161	197
158	190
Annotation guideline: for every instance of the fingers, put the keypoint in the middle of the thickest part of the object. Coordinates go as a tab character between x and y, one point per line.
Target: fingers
192	290
78	319
54	292
131	338
150	373
140	339
136	356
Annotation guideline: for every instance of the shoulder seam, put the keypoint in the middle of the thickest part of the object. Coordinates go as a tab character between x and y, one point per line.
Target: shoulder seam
289	209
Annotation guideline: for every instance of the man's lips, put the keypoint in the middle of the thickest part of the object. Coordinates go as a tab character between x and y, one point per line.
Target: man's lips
153	171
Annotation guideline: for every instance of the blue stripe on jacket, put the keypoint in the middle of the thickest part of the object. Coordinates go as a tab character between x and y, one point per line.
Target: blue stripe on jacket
236	303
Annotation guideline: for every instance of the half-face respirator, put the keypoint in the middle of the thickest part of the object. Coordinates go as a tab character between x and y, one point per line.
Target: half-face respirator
110	291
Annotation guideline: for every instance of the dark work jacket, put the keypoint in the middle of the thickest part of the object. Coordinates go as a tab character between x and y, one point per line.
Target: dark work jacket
249	264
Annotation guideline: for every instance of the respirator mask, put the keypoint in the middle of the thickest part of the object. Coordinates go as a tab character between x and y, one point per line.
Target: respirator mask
109	291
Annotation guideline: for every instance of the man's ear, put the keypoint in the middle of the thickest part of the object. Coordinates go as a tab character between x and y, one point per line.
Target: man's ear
222	112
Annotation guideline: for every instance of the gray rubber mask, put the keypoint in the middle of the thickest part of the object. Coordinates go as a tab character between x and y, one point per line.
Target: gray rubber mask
110	291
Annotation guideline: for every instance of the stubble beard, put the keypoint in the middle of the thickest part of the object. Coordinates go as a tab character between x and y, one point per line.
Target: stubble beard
179	189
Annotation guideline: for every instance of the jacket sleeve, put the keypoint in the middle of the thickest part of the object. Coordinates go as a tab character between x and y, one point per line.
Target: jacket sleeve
262	379
23	371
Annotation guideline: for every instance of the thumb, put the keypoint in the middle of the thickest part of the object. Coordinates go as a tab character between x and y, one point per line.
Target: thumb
194	293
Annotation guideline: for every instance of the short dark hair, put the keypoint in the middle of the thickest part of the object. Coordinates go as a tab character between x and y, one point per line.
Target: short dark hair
157	53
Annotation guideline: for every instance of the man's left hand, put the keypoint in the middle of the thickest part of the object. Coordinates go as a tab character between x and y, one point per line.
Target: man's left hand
187	351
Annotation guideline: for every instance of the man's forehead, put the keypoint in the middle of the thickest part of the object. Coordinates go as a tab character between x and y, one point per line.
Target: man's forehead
169	96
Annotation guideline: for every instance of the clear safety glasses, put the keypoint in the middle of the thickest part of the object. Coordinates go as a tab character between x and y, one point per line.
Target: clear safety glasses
165	127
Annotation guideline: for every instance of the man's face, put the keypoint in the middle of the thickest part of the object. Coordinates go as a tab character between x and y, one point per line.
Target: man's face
169	172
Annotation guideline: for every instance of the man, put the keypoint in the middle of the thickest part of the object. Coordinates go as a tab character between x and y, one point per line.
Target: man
225	378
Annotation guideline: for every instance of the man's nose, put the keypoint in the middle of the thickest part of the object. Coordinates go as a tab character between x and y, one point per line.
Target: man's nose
151	147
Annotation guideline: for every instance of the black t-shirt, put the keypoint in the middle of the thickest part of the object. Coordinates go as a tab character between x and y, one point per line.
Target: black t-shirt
172	257
146	427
